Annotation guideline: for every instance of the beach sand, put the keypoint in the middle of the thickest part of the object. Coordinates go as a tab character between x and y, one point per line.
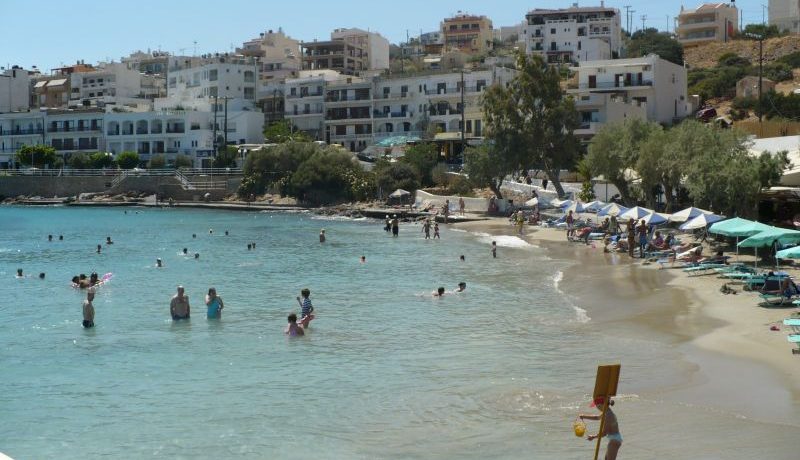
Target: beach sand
721	383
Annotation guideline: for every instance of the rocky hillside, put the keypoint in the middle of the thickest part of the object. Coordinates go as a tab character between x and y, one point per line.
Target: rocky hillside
706	56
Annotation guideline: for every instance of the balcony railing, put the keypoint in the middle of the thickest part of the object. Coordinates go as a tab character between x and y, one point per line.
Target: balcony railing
453	90
302	95
612	85
20	132
392	95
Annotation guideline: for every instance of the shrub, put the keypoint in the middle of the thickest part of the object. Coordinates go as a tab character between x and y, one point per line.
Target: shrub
439	175
102	160
157	162
391	176
183	161
36	155
459	185
128	160
80	160
325	177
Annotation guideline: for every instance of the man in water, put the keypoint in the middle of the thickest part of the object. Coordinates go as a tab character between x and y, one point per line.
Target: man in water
462	286
395	225
494	249
158	263
99	248
293	329
439	292
19	273
108	240
426	228
49	237
436	231
322	236
179	305
88	310
387	224
610	428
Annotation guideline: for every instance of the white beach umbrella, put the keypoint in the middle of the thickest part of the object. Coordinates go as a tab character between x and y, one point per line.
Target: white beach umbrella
594	206
700	221
612	209
655	218
532	202
636	213
575	207
688	214
560	203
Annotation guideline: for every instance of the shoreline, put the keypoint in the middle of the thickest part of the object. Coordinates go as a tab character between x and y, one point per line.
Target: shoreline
723	346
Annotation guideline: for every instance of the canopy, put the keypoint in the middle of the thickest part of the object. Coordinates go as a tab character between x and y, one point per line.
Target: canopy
397	140
399	193
594	206
790	253
700	221
773	234
688	214
655	218
635	213
560	203
612	209
738	227
575	207
532	202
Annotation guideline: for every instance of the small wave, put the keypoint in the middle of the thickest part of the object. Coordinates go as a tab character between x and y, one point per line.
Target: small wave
339	218
557	280
581	315
504	241
459	230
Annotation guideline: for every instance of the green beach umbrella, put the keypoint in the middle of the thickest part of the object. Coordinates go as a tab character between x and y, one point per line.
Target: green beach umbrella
790	253
738	227
768	237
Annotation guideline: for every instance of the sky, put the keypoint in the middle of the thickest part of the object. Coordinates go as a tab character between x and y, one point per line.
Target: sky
50	33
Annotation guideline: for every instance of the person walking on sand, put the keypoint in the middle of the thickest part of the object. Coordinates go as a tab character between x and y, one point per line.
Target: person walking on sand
570	223
446	210
642	231
214	304
88	310
179	305
610	428
631	236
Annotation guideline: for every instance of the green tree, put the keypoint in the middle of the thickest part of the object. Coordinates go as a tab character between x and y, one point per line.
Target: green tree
102	160
753	31
274	165
157	162
283	131
614	152
80	160
482	169
128	160
37	156
651	41
422	157
324	178
183	161
584	170
226	158
530	122
392	176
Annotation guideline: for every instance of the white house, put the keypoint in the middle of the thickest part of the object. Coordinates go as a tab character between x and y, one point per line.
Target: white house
18	129
223	76
649	88
278	55
112	83
15	89
574	34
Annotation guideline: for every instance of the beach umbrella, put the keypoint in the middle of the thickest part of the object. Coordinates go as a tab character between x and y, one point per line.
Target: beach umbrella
688	214
738	227
700	221
655	218
773	235
560	203
532	202
594	206
790	253
575	207
612	209
635	213
399	193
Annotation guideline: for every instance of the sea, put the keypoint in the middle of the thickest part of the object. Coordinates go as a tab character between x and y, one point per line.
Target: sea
386	370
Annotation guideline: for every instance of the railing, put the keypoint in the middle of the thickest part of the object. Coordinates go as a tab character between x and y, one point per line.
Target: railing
301	95
451	90
392	95
20	132
68	129
611	85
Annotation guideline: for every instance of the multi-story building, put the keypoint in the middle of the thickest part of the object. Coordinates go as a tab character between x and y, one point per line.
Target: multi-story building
574	34
785	14
467	33
710	22
649	88
356	113
113	83
70	131
148	63
220	75
18	129
15	89
53	91
349	51
278	55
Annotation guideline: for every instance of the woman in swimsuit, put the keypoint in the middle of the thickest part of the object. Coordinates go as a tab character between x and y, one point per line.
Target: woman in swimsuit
610	428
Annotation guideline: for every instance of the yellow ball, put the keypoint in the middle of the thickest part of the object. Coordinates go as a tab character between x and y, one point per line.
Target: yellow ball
579	427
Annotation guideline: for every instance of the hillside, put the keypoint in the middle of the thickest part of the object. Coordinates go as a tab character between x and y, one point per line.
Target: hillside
706	56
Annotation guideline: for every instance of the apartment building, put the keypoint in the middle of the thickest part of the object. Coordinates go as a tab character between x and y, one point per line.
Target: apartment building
710	22
467	33
356	113
54	90
648	88
15	89
574	34
210	76
785	14
278	55
113	83
349	51
18	129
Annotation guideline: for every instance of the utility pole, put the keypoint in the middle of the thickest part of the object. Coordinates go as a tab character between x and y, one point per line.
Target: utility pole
627	18
216	104
225	126
667	24
630	20
644	18
463	114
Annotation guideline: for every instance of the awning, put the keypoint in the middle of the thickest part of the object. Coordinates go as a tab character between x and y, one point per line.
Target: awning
58	82
40	84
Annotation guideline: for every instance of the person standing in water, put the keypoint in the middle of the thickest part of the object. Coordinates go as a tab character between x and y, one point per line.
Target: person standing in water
88	310
395	226
179	305
610	428
322	236
494	249
306	308
436	231
214	304
293	329
426	227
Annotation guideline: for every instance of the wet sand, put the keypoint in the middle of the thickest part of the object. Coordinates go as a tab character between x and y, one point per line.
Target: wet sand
720	384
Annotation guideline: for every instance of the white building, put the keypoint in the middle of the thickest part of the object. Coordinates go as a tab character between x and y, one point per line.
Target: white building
222	76
785	14
113	83
648	88
15	90
18	129
356	113
574	34
278	55
376	45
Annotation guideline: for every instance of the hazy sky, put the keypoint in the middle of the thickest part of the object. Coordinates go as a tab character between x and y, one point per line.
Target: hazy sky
47	33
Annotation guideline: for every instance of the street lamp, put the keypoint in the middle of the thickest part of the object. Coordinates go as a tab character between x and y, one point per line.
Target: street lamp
760	38
463	112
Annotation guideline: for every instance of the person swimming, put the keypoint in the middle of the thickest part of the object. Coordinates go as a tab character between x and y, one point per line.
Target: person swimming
185	251
41	276
108	240
158	263
19	273
196	255
462	286
99	248
439	292
292	328
363	259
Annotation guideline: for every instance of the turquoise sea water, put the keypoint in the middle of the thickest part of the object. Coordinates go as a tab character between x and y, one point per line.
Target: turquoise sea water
386	371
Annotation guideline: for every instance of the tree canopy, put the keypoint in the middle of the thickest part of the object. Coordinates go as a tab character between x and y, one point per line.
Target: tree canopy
128	160
37	156
651	41
529	124
423	158
283	131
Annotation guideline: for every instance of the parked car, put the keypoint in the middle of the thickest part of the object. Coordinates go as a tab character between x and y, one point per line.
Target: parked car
707	114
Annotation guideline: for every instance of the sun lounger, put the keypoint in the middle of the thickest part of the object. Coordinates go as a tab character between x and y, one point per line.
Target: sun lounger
702	269
794	323
795	338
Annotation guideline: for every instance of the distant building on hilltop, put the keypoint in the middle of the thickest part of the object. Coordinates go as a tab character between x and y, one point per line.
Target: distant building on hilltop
467	33
278	55
785	14
710	22
14	89
574	34
349	51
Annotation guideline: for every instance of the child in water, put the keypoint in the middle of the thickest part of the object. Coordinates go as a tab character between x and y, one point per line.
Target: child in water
494	249
306	309
293	329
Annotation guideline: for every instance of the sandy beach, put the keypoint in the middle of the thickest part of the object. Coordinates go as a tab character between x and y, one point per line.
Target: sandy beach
723	386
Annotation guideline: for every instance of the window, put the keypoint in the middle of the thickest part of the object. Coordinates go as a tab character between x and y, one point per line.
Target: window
293	92
453	27
464	26
476	26
553	31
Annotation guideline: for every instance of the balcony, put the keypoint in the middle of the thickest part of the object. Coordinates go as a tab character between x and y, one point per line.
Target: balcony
611	86
20	132
300	113
393	95
406	114
350	137
302	95
455	91
587	128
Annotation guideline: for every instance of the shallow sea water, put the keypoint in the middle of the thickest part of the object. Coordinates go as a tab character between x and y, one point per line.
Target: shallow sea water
386	371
